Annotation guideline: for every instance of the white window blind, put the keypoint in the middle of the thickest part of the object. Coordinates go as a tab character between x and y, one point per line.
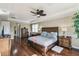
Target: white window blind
34	27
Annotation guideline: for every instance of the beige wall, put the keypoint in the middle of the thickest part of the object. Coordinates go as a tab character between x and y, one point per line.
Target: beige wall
63	22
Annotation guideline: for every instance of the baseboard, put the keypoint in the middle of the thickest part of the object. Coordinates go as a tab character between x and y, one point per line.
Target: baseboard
75	48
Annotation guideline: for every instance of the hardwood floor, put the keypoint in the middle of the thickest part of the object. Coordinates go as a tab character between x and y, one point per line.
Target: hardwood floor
25	50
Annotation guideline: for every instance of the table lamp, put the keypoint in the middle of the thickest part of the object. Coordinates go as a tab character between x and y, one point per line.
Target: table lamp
64	30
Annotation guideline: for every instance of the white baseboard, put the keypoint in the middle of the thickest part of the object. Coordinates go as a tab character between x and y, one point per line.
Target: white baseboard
75	47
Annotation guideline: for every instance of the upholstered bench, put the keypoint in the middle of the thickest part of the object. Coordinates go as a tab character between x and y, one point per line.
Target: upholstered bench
57	49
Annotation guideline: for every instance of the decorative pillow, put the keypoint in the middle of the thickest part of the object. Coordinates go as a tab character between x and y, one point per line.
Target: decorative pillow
54	34
44	34
50	35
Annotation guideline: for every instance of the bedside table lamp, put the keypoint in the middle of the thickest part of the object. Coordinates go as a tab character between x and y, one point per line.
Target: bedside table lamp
64	30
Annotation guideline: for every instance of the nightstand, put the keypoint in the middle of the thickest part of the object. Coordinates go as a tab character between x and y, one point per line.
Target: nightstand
65	41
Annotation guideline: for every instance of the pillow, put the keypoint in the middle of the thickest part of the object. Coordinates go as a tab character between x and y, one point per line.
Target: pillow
44	34
54	34
50	35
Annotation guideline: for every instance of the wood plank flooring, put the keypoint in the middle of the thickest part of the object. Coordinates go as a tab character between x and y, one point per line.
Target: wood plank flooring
25	50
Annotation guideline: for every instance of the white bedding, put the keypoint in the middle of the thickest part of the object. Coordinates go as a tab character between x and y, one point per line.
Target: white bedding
42	40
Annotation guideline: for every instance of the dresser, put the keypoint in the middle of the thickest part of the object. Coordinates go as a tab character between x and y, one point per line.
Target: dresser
65	41
24	35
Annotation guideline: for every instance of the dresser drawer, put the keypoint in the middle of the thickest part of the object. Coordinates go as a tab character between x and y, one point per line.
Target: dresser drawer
60	42
65	42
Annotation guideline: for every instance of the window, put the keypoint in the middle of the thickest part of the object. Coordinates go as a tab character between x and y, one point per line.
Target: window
34	27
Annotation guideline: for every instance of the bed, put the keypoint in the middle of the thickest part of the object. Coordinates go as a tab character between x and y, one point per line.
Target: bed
43	44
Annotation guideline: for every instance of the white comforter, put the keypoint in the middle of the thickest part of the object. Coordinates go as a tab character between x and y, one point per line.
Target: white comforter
42	40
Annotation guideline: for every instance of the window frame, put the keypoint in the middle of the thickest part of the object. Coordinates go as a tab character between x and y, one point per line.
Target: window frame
32	27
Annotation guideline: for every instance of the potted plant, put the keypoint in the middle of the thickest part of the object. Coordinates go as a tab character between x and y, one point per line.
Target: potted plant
76	23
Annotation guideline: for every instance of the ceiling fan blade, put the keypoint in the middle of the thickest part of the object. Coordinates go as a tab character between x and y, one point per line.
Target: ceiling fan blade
43	14
32	12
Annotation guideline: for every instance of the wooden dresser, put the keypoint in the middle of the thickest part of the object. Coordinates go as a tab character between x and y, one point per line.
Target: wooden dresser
24	35
65	41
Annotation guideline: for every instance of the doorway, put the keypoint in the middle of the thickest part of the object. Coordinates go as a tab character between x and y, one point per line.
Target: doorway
17	33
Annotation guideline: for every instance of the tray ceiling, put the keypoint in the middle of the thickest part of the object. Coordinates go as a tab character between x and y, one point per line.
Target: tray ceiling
21	11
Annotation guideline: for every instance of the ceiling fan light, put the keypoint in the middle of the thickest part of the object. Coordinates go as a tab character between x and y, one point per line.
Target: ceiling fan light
38	15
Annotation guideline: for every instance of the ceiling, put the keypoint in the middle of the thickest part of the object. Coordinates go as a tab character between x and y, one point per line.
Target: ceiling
21	11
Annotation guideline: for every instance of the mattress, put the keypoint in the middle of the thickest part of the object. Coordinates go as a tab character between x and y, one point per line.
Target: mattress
42	40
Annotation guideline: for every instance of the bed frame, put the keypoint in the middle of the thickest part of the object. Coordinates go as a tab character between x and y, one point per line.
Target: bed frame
41	48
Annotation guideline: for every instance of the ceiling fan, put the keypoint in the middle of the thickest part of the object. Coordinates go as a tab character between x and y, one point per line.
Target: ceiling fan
38	12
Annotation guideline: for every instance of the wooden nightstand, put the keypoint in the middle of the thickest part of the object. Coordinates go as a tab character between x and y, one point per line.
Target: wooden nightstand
65	41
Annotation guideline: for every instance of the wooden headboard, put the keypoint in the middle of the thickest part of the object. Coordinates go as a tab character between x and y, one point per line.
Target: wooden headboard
50	29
